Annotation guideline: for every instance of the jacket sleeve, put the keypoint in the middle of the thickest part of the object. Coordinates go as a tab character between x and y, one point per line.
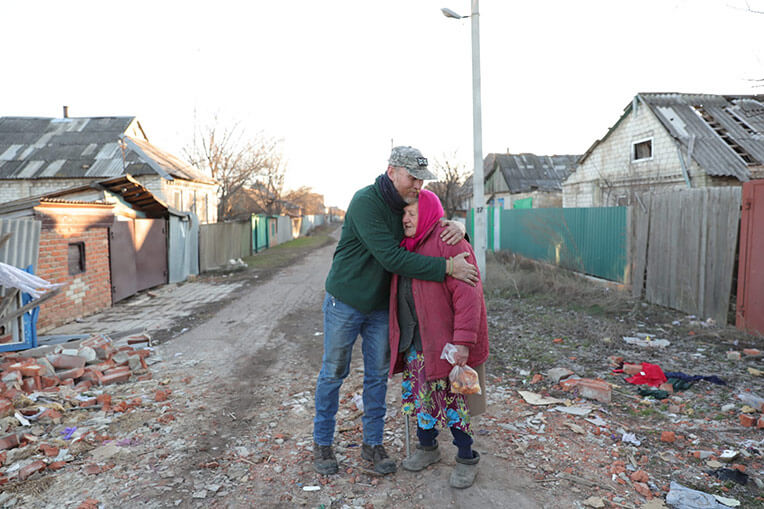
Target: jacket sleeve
467	300
372	231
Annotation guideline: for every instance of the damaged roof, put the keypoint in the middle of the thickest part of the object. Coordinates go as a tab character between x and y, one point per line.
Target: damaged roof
724	134
528	172
126	187
84	147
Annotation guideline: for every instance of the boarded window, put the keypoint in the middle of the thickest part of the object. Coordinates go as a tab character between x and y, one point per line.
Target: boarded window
76	258
642	150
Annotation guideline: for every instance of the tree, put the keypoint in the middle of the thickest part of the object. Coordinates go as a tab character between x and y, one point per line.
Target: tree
450	185
240	162
310	202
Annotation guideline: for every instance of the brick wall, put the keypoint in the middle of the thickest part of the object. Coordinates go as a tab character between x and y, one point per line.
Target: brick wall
84	293
609	174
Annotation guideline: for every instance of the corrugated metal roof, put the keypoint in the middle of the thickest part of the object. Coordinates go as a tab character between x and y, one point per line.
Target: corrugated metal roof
527	172
724	134
94	147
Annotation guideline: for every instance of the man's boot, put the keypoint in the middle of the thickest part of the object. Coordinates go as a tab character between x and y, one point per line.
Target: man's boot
324	460
377	455
423	457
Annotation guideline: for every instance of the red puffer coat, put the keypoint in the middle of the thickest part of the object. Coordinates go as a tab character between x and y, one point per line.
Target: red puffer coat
451	311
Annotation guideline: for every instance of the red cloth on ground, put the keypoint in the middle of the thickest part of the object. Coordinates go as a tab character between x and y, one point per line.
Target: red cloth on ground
651	374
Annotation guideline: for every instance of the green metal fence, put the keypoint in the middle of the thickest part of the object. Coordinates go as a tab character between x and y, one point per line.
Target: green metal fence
592	241
259	232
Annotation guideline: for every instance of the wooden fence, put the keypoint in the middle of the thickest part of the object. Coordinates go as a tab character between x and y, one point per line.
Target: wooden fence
684	246
675	249
221	242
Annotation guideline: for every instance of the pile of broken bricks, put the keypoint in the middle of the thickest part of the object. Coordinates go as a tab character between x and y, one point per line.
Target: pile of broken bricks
39	384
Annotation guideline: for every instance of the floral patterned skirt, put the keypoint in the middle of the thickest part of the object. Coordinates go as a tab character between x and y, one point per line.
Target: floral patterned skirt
431	402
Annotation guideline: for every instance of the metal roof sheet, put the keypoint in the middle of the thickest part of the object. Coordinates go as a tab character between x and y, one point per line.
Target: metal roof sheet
32	148
527	172
724	134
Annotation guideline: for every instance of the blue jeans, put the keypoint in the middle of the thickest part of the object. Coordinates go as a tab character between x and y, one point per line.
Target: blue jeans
342	325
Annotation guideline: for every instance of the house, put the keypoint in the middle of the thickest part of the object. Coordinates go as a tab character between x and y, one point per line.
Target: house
41	155
525	180
670	141
105	241
73	251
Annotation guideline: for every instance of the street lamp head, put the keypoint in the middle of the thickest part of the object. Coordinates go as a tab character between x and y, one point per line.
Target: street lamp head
451	14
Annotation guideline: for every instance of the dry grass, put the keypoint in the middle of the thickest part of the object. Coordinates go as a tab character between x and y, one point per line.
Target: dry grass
514	276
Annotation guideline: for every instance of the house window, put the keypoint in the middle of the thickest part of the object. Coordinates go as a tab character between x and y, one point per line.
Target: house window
642	150
76	258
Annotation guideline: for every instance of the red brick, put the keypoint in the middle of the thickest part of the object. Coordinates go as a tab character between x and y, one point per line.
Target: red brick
50	414
31	469
9	441
88	402
62	361
643	490
760	422
161	395
70	373
6	407
747	420
668	436
29	385
117	370
56	465
668	387
48	450
598	390
32	370
639	476
116	378
49	381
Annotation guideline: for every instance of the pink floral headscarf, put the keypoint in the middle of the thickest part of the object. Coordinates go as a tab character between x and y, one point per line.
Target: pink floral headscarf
430	211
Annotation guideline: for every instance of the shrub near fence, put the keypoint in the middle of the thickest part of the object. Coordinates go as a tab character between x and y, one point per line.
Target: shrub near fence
592	241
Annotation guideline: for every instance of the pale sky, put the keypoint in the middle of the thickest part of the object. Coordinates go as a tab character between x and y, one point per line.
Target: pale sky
340	80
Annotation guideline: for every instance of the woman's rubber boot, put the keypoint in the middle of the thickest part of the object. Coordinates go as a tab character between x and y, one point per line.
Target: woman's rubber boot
423	457
464	472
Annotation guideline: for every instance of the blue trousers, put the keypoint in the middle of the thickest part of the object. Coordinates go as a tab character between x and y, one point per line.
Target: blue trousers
342	326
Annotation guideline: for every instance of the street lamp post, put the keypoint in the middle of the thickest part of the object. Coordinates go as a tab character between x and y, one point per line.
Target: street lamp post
478	196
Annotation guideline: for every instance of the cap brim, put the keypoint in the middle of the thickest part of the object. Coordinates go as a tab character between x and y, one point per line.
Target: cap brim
422	174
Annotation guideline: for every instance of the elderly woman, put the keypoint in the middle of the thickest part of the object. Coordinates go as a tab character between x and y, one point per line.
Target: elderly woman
424	316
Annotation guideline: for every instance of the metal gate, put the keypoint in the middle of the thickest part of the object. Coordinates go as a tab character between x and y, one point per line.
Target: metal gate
750	280
138	256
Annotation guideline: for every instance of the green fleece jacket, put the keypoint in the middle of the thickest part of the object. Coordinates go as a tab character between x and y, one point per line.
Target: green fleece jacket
368	253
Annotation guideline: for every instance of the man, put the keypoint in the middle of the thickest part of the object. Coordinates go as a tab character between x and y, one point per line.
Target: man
356	302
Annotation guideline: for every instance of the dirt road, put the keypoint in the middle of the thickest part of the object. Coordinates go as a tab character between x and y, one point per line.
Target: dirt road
235	430
226	418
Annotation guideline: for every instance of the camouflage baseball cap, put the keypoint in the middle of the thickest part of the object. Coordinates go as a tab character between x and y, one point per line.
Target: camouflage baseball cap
413	160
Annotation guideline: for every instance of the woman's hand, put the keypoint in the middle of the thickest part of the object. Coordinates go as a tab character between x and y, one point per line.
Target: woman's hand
461	355
454	231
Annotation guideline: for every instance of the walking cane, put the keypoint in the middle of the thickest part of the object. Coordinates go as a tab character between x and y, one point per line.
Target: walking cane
408	440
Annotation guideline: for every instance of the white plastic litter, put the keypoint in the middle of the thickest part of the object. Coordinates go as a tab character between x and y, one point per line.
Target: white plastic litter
13	277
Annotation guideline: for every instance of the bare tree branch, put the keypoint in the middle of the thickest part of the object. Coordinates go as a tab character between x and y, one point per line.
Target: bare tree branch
450	185
240	163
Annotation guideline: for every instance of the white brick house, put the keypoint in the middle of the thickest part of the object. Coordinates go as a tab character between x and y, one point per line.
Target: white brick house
671	141
43	155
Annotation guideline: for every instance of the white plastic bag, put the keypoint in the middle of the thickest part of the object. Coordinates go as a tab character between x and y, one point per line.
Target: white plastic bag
464	379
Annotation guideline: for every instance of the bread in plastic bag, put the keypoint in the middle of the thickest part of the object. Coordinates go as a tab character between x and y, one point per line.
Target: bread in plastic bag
464	379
